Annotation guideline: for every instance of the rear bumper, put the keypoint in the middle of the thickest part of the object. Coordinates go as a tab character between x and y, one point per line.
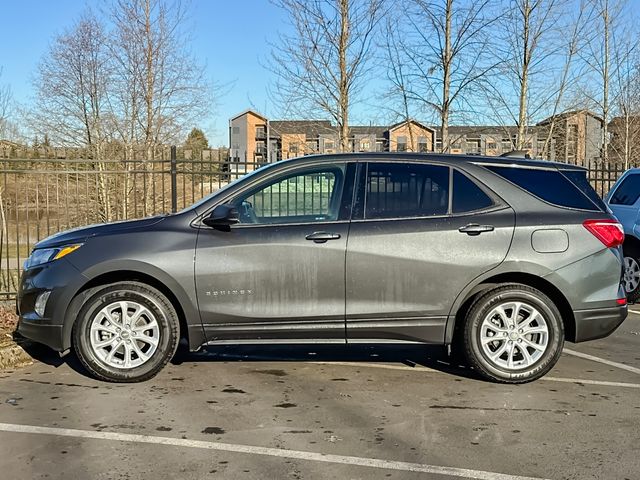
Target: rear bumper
598	323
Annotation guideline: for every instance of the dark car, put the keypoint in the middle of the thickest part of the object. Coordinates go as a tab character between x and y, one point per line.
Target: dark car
502	258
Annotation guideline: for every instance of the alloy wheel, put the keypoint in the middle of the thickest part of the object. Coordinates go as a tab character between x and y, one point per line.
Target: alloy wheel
124	334
514	335
631	274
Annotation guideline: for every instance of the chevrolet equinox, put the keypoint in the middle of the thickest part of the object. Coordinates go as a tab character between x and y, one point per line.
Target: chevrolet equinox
502	258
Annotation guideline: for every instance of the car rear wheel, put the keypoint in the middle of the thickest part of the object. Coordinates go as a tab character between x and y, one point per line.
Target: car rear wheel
631	278
126	332
513	334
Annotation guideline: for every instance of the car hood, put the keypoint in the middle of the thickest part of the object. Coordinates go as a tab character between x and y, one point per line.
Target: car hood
81	234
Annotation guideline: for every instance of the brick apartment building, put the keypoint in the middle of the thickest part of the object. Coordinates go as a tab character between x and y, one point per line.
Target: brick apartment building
573	136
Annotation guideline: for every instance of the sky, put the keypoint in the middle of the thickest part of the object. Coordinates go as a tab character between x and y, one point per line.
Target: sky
229	36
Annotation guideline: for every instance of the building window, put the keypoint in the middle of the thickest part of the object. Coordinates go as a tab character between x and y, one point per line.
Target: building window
236	130
401	145
365	145
293	148
261	131
312	146
423	146
380	146
328	145
492	145
473	146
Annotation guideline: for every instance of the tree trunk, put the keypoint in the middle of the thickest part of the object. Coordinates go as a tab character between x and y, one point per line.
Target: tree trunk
446	83
605	86
524	80
344	75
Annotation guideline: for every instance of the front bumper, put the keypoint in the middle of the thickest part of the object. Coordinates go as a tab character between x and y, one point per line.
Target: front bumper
59	278
36	330
598	322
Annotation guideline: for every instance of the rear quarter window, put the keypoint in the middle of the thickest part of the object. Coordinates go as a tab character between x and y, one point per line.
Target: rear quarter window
548	185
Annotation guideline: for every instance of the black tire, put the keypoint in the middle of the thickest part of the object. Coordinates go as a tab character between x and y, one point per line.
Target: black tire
631	252
481	361
150	298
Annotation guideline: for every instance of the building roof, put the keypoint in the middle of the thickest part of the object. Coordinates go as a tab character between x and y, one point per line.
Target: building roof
404	122
253	112
570	113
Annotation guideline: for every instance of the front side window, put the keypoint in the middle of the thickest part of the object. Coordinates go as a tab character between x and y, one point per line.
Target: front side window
396	190
628	191
311	196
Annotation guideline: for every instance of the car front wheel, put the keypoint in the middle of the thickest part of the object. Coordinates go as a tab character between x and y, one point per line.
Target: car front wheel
513	334
126	332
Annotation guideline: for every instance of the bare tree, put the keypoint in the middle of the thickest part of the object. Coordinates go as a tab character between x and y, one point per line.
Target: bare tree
606	57
322	65
6	98
530	40
161	88
625	126
442	53
71	89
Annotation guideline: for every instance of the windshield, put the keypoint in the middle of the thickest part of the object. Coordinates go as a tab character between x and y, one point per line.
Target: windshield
228	186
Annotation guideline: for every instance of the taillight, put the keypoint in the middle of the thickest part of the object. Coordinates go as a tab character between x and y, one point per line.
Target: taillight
609	232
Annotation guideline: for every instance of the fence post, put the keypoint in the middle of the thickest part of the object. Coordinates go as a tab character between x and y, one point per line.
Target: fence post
174	180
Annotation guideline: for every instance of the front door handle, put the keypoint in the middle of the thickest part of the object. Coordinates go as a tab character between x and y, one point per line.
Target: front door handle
475	229
321	237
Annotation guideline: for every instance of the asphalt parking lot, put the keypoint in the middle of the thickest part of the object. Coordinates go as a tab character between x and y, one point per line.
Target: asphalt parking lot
327	412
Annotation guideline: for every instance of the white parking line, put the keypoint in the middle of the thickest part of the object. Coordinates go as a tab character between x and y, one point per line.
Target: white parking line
593	358
271	452
637	312
599	383
419	368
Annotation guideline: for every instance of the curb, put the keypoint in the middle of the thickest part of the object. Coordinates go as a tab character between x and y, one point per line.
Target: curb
12	355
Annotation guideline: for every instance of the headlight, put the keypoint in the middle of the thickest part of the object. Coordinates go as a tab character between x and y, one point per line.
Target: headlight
44	255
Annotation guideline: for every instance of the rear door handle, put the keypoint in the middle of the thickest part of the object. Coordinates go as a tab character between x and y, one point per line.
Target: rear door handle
321	237
475	229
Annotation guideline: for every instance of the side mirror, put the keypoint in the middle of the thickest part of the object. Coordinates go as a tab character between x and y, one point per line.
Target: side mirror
222	217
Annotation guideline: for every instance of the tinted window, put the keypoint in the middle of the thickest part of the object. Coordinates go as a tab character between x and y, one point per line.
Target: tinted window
548	185
580	180
628	191
305	197
467	196
406	190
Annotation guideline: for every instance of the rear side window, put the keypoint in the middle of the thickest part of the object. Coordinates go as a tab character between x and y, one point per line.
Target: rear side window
548	185
628	191
396	190
467	196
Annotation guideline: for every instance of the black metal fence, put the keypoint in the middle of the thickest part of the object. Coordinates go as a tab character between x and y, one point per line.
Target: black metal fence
39	197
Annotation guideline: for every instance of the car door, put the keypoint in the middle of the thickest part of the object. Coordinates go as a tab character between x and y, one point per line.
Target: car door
279	273
420	233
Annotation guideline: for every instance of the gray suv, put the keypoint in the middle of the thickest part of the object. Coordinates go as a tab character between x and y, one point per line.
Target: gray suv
504	259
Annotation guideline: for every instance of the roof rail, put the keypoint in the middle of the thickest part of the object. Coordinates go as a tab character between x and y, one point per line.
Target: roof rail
516	154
